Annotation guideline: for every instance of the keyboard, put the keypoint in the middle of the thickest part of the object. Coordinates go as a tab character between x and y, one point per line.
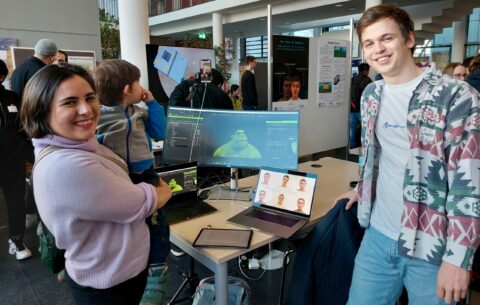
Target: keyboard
278	219
179	206
185	210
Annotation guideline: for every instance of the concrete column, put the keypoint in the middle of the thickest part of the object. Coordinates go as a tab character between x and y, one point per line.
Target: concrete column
134	34
217	29
459	38
370	3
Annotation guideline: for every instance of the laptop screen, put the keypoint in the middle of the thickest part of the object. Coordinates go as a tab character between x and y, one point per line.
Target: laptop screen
181	178
285	190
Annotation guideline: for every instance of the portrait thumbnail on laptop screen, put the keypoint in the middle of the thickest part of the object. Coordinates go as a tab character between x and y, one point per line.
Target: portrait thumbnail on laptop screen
285	191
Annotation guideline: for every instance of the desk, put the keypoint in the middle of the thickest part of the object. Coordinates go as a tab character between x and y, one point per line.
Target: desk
333	180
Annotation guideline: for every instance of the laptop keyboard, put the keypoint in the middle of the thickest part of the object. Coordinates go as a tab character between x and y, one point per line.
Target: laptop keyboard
179	206
278	219
185	210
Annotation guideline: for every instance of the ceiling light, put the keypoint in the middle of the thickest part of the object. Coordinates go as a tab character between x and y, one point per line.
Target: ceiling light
338	5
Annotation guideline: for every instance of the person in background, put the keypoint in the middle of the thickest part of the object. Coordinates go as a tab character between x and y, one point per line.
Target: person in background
420	182
295	86
286	90
191	93
359	83
473	77
248	85
127	129
234	95
83	192
456	71
44	54
61	57
13	154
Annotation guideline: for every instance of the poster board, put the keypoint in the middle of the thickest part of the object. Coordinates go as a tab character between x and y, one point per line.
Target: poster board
333	77
290	72
85	59
323	128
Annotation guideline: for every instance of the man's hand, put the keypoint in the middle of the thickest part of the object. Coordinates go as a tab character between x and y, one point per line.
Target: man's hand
452	282
352	196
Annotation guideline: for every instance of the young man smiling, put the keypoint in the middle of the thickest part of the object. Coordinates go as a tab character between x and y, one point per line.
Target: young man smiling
419	190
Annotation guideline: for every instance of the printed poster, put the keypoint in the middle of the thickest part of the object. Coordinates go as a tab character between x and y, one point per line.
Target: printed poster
332	79
290	72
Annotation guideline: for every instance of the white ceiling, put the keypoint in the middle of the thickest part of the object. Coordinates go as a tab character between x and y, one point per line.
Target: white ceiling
254	20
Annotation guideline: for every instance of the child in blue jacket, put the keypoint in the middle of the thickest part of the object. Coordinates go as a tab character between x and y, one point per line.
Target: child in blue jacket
127	128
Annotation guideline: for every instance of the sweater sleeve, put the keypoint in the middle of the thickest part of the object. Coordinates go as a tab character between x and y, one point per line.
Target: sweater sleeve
89	189
156	123
462	138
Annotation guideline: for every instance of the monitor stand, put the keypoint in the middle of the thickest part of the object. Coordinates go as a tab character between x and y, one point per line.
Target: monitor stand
219	193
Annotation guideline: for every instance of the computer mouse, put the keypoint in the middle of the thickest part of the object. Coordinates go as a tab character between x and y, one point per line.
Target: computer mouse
204	194
316	165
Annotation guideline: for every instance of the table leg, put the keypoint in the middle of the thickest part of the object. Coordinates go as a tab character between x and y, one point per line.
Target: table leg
221	291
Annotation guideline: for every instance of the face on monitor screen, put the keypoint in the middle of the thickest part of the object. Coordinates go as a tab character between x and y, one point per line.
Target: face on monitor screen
242	139
285	191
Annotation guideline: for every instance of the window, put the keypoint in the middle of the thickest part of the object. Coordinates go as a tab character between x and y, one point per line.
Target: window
257	46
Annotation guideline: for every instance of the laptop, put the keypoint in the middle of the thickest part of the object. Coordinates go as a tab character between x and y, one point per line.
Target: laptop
282	204
185	203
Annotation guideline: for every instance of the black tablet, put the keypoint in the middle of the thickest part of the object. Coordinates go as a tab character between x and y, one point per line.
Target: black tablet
223	238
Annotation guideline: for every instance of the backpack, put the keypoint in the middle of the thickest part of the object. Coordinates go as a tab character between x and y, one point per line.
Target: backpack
238	292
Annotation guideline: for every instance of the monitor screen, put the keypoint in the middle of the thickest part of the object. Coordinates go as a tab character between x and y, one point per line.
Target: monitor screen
227	138
180	178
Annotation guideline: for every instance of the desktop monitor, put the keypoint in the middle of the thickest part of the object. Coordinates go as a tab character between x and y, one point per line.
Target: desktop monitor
227	138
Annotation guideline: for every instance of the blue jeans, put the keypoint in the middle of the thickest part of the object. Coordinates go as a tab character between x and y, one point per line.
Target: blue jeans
355	120
380	274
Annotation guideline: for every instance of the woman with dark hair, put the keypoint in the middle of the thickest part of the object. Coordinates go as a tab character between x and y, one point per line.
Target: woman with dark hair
13	154
83	192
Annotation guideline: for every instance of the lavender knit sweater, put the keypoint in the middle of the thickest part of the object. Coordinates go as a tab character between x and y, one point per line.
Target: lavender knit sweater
95	212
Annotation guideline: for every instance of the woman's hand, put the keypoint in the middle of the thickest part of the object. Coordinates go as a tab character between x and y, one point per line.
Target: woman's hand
163	193
352	196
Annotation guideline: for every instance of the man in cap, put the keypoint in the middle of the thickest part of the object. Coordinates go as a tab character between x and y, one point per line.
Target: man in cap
45	51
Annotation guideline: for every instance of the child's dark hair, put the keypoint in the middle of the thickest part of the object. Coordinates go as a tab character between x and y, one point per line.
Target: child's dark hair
39	93
111	77
234	88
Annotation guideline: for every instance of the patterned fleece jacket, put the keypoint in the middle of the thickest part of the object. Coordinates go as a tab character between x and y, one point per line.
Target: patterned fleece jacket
441	188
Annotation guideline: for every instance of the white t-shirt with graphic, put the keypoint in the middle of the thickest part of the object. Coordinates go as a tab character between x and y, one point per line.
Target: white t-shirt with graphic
392	134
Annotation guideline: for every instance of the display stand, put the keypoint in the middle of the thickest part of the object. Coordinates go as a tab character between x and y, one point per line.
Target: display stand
218	193
273	260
